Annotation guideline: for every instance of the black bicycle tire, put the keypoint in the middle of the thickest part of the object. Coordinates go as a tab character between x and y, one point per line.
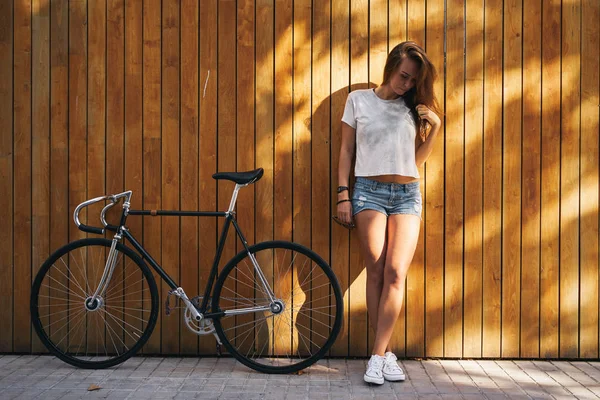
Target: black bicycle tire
338	315
35	318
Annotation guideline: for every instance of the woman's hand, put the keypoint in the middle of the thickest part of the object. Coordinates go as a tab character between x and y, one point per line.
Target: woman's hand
428	115
344	211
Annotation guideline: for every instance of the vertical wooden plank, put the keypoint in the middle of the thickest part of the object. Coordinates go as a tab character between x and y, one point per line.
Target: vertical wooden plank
302	171
133	133
511	176
152	147
170	141
550	175
397	29
6	176
414	309
590	98
340	70
59	168
40	140
454	187
96	126
283	172
492	179
321	149
283	120
96	99
77	130
265	117
569	179
378	34
115	92
301	165
416	23
189	160
226	121
359	76
245	136
208	227
77	109
22	180
433	215
473	232
115	109
264	96
530	217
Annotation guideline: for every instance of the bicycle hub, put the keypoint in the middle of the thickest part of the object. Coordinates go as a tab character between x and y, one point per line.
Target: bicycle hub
277	307
93	305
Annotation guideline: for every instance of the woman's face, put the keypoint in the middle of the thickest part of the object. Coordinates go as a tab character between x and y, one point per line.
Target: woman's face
405	77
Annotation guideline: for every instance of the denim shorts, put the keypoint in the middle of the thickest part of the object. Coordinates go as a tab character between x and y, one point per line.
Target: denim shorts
387	198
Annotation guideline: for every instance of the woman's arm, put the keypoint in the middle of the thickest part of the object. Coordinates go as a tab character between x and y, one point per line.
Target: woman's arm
346	154
423	150
344	209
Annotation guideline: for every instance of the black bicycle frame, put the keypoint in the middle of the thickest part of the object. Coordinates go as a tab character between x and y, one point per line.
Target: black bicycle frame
229	219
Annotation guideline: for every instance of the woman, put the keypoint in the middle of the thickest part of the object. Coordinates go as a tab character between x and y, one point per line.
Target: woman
393	129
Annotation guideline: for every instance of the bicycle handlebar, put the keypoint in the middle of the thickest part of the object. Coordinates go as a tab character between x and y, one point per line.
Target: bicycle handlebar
114	199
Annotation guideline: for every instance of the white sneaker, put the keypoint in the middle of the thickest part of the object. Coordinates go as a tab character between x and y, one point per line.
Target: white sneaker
374	372
391	370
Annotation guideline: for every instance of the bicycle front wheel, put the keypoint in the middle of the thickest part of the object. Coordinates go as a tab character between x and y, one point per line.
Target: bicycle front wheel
97	334
295	328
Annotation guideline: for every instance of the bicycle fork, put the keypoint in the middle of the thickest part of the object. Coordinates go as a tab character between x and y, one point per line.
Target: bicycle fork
95	301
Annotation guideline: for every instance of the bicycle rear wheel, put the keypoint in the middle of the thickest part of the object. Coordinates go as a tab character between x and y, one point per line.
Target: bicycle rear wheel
102	334
310	301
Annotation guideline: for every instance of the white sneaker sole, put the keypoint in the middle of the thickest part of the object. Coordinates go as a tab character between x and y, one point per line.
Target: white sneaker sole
394	378
372	379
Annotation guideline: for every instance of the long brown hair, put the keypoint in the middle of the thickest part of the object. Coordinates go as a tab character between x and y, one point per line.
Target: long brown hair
422	92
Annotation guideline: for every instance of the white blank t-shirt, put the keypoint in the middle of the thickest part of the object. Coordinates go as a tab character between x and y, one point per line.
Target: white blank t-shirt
385	134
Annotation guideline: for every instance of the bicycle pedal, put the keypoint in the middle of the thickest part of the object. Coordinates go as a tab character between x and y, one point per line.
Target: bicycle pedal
219	353
167	307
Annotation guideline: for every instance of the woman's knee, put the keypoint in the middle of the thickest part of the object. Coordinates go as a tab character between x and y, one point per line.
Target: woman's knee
395	275
375	273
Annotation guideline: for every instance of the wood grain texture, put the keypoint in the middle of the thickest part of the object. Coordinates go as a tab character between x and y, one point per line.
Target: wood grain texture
6	176
155	96
433	196
22	163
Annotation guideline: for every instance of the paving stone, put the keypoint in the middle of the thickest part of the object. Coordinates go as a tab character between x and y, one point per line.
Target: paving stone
46	377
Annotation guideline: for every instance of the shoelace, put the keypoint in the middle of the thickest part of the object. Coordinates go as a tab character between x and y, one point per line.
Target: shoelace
391	364
376	364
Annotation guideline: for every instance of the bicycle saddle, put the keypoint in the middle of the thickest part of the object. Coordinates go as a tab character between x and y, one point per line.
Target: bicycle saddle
241	178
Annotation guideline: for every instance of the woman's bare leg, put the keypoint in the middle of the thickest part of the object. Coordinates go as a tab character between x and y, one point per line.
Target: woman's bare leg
402	238
371	228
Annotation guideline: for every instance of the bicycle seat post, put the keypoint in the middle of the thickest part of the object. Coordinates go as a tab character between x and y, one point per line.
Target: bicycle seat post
234	196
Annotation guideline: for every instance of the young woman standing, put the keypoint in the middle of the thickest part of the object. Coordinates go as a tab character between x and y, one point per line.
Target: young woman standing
392	129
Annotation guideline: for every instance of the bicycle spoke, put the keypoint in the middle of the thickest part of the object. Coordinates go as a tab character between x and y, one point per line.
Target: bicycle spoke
299	334
302	330
75	279
112	332
247	323
58	305
125	322
62	291
67	335
248	302
118	337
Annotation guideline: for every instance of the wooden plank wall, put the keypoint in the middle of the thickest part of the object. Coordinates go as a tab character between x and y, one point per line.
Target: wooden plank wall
156	95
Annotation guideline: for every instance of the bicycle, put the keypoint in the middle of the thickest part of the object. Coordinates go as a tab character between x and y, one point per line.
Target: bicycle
276	306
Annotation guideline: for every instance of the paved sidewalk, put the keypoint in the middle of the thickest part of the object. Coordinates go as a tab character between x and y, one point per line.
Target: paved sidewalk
46	377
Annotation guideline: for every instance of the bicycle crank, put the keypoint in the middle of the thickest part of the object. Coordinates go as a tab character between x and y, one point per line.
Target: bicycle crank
203	327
